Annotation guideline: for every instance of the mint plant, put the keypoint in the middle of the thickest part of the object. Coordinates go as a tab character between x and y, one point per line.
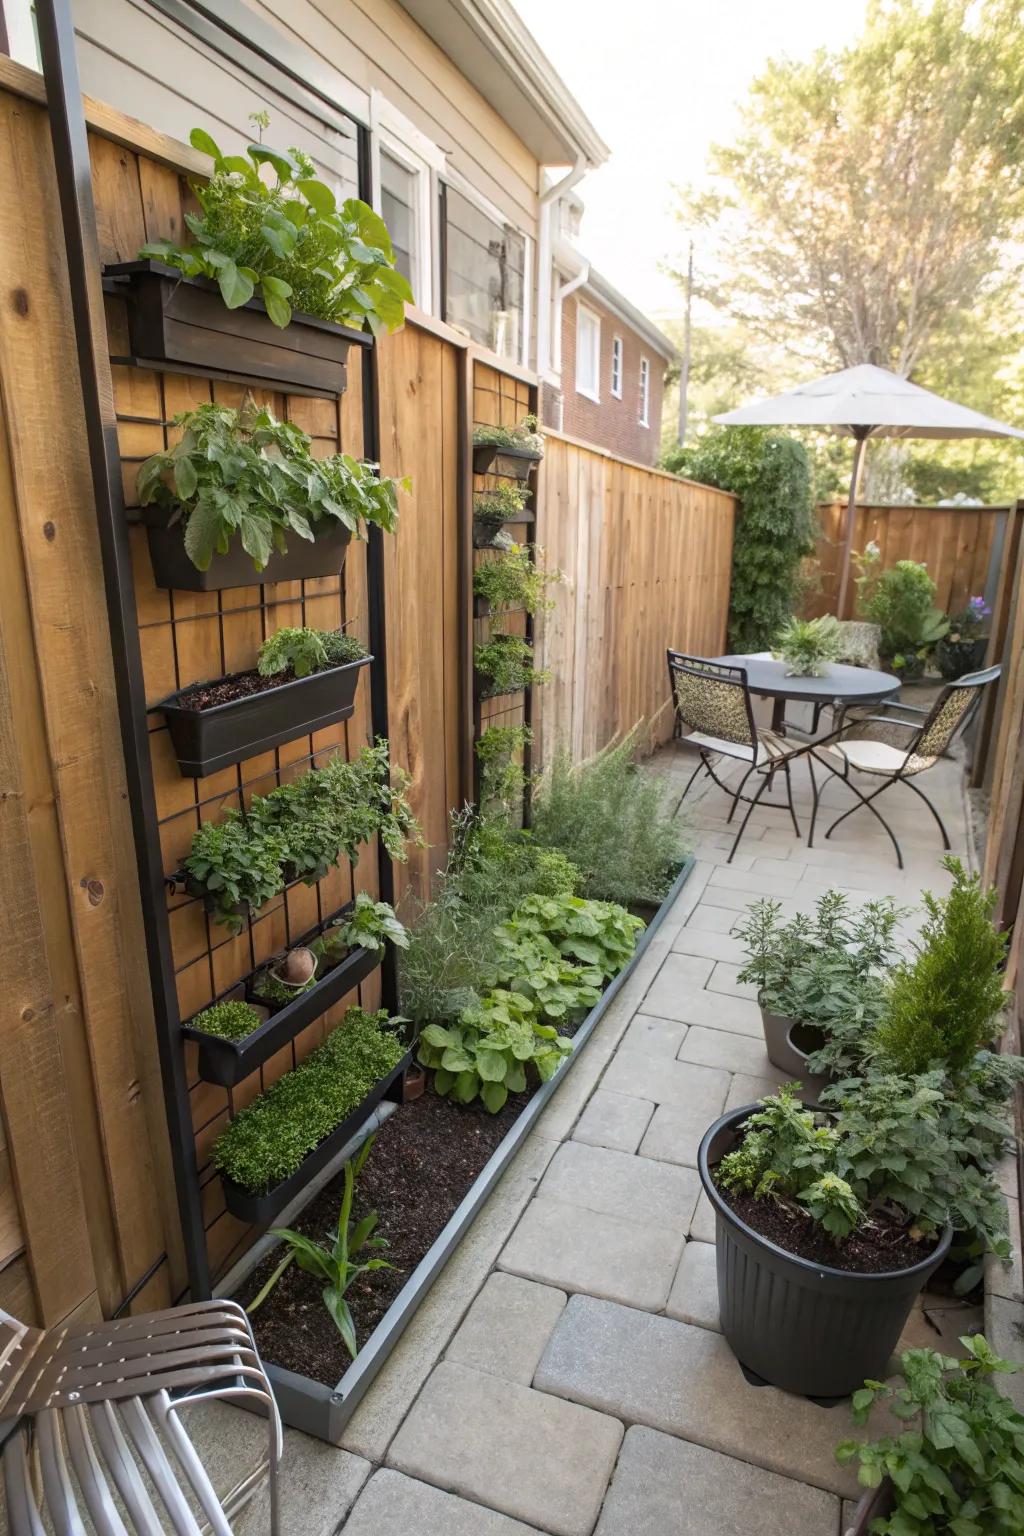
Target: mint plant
506	664
535	969
303	651
370	926
589	933
233	863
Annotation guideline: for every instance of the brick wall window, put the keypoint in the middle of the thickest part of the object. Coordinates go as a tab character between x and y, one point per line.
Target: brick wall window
644	414
588	353
617	367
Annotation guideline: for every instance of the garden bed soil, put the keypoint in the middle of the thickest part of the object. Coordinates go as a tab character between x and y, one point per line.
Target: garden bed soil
878	1248
237	685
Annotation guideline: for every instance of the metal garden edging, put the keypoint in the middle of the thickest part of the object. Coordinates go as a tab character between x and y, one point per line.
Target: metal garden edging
324	1411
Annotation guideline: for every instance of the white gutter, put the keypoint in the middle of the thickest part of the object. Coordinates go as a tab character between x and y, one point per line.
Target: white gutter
556	190
562	292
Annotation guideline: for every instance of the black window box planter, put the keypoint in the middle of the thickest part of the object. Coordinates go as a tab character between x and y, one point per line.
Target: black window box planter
483	688
174	571
501	459
183	324
208	739
227	1062
260	1210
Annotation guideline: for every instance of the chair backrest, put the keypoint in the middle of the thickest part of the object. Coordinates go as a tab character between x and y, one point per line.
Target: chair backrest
712	698
951	712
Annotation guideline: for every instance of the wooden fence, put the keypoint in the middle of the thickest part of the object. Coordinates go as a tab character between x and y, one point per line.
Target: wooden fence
961	546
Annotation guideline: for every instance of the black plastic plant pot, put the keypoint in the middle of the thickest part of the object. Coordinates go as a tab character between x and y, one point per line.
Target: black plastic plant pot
183	324
227	1062
804	1327
484	687
503	459
174	571
261	1210
207	739
876	1504
788	1043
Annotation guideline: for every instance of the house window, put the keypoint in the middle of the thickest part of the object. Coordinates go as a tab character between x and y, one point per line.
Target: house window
485	274
588	353
617	367
398	209
645	392
405	166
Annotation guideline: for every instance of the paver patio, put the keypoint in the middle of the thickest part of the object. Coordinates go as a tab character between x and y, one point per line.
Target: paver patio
567	1373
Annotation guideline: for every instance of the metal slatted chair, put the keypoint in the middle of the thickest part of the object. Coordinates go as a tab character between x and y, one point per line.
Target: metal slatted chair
713	705
930	734
92	1410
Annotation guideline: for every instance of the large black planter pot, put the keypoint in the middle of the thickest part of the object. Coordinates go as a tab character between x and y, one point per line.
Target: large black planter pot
955	658
173	570
183	323
502	459
803	1327
875	1505
788	1043
208	739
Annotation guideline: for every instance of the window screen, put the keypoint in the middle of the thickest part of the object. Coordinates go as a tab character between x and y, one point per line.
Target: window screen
485	264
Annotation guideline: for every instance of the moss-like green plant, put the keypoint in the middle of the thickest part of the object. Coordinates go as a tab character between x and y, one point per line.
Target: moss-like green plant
506	661
271	989
302	651
267	1141
523	435
230	1021
512	579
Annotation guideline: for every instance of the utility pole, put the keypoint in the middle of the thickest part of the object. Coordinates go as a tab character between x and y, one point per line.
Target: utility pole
684	369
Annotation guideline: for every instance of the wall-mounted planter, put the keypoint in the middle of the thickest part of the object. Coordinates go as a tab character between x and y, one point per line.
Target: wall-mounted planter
227	1062
173	570
183	323
802	1326
208	739
260	1210
483	688
501	459
788	1043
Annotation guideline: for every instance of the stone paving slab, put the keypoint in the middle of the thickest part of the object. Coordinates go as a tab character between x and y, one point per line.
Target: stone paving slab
654	1037
523	1453
678	974
672	1376
711	1009
618	1184
505	1331
716	946
694	1294
745	1089
725	978
720	1048
708	919
581	1250
665	1485
703	1225
614	1120
392	1504
664	1081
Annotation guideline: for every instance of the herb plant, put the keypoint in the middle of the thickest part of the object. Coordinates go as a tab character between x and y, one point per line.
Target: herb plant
370	926
503	503
289	240
524	435
590	933
487	1051
531	966
302	651
502	780
233	863
808	645
506	662
513	580
957	1469
902	601
271	989
267	1140
242	473
230	1021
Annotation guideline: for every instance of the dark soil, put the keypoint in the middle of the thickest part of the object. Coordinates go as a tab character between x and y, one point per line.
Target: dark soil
877	1247
423	1161
237	685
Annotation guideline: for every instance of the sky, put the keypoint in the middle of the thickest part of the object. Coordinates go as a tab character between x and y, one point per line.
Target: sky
662	80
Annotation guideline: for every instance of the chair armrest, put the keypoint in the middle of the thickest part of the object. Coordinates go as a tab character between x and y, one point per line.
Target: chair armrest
907	725
910	709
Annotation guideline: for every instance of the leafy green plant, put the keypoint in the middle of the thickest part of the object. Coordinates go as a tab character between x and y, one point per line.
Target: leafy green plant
290	241
335	1265
957	1469
502	779
302	651
271	989
370	926
341	648
770	474
808	645
532	967
233	863
267	1140
506	661
487	1051
609	818
503	503
229	1021
511	579
242	473
901	600
523	435
590	933
946	1003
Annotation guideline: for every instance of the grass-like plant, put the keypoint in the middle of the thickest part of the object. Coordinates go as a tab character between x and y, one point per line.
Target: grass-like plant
523	435
610	820
807	646
267	1140
506	662
287	240
303	651
512	579
229	1021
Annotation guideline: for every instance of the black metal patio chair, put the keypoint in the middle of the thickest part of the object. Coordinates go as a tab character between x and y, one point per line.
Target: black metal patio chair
94	1437
714	712
930	733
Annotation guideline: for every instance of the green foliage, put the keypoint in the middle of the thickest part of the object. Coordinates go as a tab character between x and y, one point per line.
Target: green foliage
242	473
233	862
289	240
229	1021
341	648
770	474
511	579
507	662
523	435
371	925
808	645
957	1469
534	968
901	600
609	818
487	1052
833	1204
335	1266
302	651
590	933
502	780
271	989
946	1003
503	503
267	1140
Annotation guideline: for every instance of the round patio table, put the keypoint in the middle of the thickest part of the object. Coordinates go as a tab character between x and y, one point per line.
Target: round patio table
840	685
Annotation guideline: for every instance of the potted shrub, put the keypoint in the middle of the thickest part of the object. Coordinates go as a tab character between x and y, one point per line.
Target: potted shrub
278	282
508	451
827	1228
513	579
240	498
504	664
808	646
304	679
964	648
902	601
503	503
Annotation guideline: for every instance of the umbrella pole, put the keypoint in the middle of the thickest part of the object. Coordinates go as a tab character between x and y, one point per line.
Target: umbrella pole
861	434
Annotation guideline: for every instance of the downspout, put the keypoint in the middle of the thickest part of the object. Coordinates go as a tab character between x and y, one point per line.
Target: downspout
562	292
547	199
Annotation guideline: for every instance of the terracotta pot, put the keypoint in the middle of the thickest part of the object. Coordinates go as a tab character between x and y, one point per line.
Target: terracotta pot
414	1083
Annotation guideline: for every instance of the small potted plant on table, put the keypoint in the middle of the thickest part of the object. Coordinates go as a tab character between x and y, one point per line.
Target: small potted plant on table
809	646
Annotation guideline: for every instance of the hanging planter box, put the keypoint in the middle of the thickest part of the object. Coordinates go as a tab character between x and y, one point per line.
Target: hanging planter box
208	739
173	570
500	459
182	323
260	1210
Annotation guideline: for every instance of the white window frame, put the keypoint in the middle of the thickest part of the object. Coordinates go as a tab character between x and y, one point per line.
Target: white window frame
21	33
458	181
391	130
592	316
618	352
644	415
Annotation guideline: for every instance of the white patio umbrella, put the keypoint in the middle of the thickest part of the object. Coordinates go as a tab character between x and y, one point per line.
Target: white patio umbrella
865	402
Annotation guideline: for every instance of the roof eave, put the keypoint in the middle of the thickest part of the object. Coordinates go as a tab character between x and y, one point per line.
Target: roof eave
628	313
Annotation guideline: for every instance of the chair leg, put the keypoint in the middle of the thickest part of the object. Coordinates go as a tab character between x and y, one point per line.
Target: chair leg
689	782
867	800
750	812
789	796
738	796
941	826
814	799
